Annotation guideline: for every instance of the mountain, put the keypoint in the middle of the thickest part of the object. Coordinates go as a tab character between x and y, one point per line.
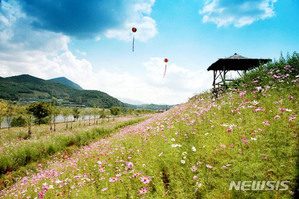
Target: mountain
29	88
67	82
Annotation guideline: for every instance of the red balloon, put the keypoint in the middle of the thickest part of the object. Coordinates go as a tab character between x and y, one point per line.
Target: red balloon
134	29
165	60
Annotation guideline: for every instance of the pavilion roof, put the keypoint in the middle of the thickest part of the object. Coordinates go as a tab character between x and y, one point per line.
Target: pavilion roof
237	62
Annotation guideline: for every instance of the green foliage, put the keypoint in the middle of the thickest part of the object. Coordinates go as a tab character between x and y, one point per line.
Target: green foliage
76	113
26	87
3	106
115	111
18	121
40	110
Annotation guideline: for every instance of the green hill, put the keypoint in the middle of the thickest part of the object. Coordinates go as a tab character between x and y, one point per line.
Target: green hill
67	82
26	87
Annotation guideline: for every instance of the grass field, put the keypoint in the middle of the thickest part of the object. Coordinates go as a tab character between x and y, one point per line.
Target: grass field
18	152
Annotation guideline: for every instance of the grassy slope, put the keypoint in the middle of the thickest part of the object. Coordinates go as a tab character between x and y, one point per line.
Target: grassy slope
192	151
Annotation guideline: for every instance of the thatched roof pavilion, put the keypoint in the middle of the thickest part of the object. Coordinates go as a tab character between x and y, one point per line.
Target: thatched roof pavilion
237	62
233	63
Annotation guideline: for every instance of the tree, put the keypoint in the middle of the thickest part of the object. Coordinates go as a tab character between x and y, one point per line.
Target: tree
28	116
9	113
40	110
3	106
95	112
55	111
76	114
114	111
66	112
18	121
102	114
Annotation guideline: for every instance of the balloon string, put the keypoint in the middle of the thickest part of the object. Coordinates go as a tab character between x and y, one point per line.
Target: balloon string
133	44
165	70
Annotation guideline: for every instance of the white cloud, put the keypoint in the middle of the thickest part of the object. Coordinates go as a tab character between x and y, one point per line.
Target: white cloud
139	18
39	53
237	12
178	85
46	55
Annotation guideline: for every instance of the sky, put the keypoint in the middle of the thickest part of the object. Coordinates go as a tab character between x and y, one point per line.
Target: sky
90	42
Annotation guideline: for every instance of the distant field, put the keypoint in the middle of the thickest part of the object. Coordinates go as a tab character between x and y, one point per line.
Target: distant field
18	150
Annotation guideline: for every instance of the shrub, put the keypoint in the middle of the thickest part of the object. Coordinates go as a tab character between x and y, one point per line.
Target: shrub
18	121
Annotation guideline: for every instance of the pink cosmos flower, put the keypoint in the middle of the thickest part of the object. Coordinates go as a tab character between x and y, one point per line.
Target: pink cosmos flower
195	178
105	189
282	109
222	146
287	67
143	190
130	165
242	93
266	123
102	170
145	179
292	118
41	194
291	97
231	144
137	174
113	179
194	168
276	117
258	88
224	167
244	140
229	130
259	109
209	166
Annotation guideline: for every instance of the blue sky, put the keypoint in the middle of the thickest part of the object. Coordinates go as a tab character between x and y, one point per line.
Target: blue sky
90	42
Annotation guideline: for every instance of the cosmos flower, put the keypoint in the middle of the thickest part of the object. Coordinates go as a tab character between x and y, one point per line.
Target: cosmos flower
292	118
113	179
102	170
145	179
105	189
130	165
194	168
193	148
276	117
209	166
143	190
137	174
41	194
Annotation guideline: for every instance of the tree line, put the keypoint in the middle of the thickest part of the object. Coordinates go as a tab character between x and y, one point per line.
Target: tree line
43	112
